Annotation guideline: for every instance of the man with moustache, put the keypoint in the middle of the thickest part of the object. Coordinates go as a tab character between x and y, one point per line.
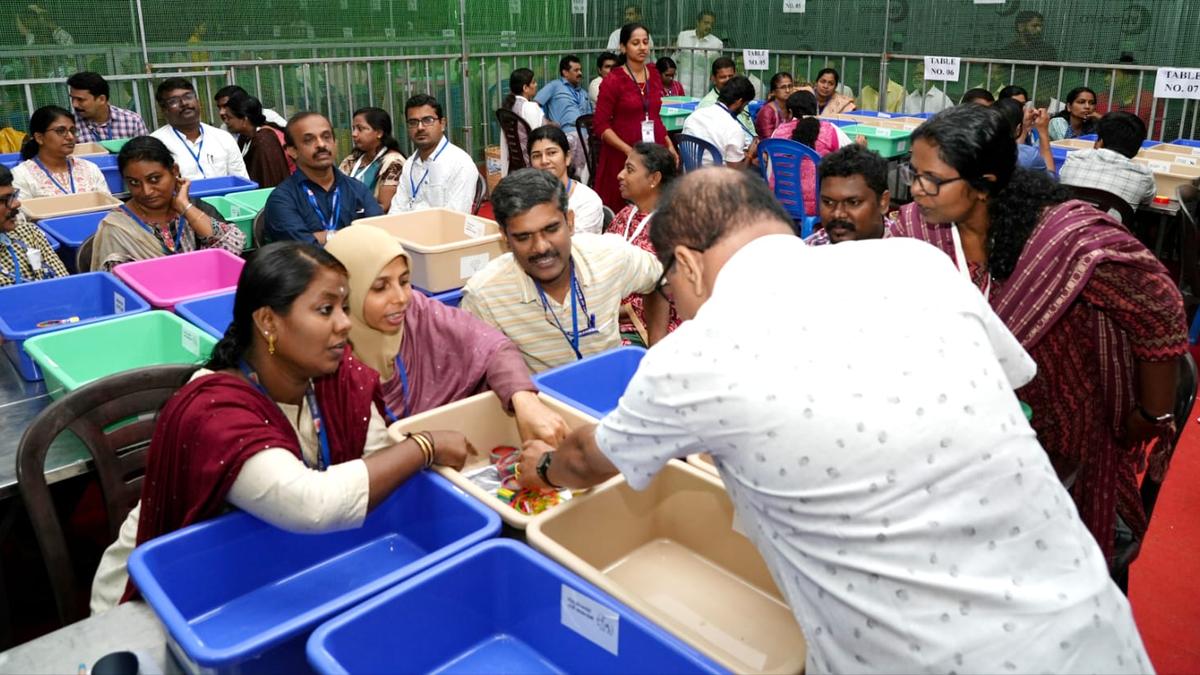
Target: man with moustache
97	118
200	151
317	200
439	174
557	295
25	253
854	197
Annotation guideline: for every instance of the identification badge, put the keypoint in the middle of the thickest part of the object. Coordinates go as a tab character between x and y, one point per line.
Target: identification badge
35	259
647	131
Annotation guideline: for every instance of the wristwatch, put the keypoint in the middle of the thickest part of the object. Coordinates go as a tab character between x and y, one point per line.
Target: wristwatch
543	469
1165	418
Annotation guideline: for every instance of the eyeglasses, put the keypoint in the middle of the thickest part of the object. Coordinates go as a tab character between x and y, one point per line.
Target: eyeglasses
930	185
786	87
660	286
65	131
426	121
176	101
9	199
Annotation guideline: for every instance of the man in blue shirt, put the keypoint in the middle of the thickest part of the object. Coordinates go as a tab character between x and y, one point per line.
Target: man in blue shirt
563	99
316	200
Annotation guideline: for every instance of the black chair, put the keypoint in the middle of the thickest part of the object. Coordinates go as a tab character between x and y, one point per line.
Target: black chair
259	228
115	419
83	256
1189	241
589	144
608	218
480	193
1107	202
515	131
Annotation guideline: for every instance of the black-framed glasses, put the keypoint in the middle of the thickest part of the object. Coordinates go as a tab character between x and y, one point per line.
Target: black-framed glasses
8	199
176	101
930	185
426	121
660	286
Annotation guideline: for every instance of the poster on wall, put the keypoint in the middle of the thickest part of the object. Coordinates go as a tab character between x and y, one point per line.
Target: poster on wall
793	6
1177	83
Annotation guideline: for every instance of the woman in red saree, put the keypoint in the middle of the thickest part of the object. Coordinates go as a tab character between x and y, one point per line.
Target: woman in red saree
279	423
1095	309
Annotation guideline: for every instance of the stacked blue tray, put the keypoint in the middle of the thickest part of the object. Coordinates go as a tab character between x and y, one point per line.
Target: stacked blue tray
594	384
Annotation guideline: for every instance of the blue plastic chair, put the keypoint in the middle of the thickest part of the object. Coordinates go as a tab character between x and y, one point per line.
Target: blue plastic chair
782	158
692	151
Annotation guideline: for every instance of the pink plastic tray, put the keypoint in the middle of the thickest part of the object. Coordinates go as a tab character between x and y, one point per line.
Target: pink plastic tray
172	279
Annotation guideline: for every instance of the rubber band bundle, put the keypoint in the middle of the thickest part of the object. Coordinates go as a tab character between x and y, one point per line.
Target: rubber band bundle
530	502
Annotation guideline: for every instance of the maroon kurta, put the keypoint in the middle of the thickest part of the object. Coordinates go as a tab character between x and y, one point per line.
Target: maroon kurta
620	108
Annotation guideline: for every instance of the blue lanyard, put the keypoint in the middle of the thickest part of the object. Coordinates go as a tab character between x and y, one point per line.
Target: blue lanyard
154	232
199	149
576	292
16	261
400	370
332	223
70	174
324	461
416	187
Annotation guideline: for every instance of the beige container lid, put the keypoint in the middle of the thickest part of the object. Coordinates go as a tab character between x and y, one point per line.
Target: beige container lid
1073	144
485	424
1173	158
671	553
68	205
436	230
1177	149
85	149
704	462
1173	169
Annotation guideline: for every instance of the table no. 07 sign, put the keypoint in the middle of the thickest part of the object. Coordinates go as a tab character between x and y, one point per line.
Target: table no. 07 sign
944	68
1177	83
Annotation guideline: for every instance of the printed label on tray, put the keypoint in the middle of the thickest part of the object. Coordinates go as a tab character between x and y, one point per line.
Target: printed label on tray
473	228
468	265
592	620
1186	161
191	341
118	303
1157	165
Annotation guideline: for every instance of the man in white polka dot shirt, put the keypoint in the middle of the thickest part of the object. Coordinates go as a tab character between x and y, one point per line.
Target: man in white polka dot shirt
858	402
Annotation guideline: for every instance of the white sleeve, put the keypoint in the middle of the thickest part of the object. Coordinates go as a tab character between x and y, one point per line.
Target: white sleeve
735	145
235	165
275	486
23	181
112	575
614	40
460	193
377	434
843	138
1019	367
642	268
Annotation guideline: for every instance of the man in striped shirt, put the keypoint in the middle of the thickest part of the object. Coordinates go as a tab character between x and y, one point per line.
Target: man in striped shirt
557	296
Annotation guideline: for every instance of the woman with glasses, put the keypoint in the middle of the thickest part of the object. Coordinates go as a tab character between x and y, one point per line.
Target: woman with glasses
25	253
1096	310
428	354
160	219
775	111
48	169
647	172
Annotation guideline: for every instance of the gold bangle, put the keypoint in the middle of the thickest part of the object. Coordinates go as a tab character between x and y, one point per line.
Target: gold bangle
426	445
420	441
432	447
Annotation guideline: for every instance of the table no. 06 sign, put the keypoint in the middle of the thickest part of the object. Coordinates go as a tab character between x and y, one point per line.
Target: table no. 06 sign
942	68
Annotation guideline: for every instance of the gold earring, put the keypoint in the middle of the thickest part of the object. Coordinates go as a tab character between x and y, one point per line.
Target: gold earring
271	345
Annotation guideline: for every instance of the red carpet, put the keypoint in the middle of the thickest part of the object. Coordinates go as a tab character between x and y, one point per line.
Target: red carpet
1162	582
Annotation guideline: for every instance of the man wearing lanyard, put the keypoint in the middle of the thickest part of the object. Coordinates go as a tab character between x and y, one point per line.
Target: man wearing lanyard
317	200
96	118
439	174
201	151
718	124
25	253
557	295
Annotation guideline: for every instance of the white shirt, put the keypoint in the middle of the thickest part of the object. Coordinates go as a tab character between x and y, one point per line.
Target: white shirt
693	70
529	111
273	486
715	125
214	154
447	180
594	89
935	101
876	454
588	208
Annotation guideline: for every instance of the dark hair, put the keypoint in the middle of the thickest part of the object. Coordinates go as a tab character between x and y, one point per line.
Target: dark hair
520	78
228	91
1014	114
520	191
738	88
420	100
1025	16
1013	90
1088	126
288	140
379	120
6	177
626	35
246	107
706	12
144	149
721	63
605	57
657	159
94	83
665	63
977	94
803	106
564	64
977	140
701	208
779	76
855	160
171	84
837	79
549	132
39	123
274	277
1122	132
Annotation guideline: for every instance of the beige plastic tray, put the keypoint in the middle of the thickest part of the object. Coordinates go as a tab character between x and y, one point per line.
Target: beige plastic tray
670	552
1073	144
1169	177
1177	149
85	149
486	426
1169	157
703	461
446	247
68	205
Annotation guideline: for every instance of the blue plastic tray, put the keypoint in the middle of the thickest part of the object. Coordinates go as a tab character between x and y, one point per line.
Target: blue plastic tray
72	231
498	608
452	298
10	159
1189	142
211	315
239	595
108	167
595	384
215	187
92	297
878	114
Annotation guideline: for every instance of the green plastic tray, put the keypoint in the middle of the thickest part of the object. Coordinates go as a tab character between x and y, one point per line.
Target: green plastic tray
673	118
887	142
680	99
240	216
255	200
114	146
74	357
